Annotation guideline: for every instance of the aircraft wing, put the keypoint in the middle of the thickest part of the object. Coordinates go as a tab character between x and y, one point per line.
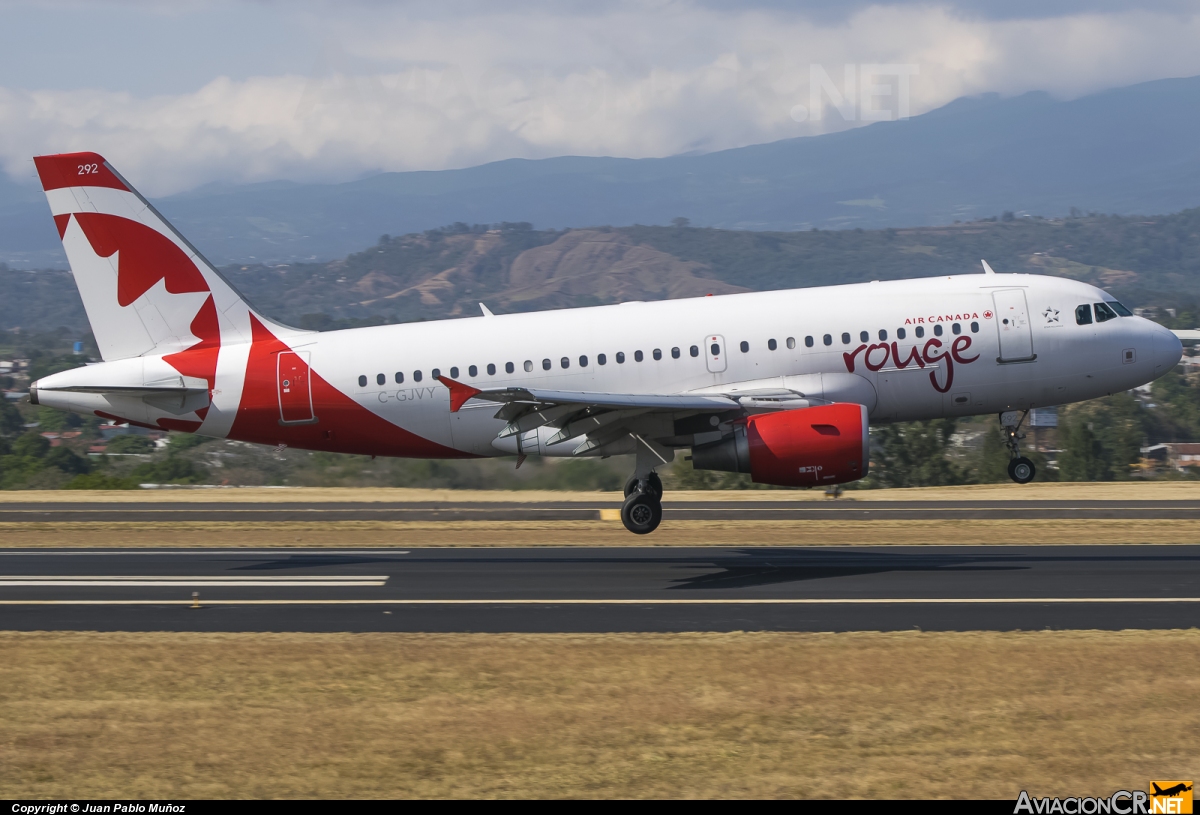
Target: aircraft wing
599	418
537	397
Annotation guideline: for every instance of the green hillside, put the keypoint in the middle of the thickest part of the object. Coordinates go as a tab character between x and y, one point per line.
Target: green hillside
511	267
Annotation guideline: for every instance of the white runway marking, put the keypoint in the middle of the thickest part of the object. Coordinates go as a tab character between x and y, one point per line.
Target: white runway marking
184	581
805	601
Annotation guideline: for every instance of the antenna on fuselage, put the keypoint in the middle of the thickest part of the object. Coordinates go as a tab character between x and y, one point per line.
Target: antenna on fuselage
486	311
986	269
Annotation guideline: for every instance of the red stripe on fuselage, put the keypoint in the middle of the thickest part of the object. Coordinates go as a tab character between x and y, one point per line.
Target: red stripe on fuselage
342	425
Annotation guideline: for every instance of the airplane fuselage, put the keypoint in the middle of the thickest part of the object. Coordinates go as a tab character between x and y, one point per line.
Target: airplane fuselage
910	349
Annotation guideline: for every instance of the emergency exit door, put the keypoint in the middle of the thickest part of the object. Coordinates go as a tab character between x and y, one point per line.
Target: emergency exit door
714	353
294	382
1012	321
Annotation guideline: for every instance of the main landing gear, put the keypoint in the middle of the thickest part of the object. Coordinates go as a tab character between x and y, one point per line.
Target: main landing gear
1020	469
642	510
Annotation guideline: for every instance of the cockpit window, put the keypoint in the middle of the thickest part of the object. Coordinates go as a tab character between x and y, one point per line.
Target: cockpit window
1104	313
1120	309
1083	314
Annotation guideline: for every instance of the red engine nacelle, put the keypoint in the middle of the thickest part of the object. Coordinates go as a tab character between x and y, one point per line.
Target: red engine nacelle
794	448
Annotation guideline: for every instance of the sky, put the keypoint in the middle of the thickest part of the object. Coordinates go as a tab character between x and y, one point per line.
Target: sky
193	92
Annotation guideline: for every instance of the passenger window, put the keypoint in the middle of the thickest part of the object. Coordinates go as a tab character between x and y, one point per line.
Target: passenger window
491	369
694	351
528	365
772	345
827	339
974	328
715	350
808	342
546	364
956	328
675	353
745	346
509	367
637	356
399	378
1083	315
845	338
937	330
380	379
601	359
583	362
362	381
472	371
882	334
1120	309
565	362
1104	313
863	336
658	353
920	331
791	342
620	357
437	373
901	333
454	372
416	376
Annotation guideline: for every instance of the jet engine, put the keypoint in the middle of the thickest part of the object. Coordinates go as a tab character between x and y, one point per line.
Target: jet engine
806	447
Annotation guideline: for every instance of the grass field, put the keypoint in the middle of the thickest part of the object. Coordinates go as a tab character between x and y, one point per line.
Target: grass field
402	534
607	532
1109	491
805	715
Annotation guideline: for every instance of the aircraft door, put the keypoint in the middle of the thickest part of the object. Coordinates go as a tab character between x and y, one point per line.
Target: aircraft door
294	384
1012	321
714	353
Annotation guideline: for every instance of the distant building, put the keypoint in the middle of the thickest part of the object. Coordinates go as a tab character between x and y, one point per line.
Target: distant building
1175	455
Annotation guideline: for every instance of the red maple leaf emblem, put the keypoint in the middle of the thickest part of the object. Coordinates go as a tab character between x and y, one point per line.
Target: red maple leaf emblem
987	315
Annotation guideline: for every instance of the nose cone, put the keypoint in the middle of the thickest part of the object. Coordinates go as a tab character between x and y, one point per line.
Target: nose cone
1168	350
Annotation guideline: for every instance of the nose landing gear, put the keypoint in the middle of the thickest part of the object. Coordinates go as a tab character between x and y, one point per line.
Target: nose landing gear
1020	469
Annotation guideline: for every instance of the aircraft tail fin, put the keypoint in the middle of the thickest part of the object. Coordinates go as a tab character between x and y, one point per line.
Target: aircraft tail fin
1157	788
147	291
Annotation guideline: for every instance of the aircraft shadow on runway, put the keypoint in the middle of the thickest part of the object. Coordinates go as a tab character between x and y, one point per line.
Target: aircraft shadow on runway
765	568
736	569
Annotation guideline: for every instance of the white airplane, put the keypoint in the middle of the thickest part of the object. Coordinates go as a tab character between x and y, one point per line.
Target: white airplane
781	385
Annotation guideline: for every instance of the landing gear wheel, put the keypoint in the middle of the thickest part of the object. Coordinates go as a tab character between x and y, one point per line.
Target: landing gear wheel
641	513
654	482
1021	470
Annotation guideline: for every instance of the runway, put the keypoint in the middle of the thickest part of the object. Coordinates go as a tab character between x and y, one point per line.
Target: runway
604	590
744	510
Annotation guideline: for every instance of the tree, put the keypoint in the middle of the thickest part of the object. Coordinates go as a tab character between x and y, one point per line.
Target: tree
11	422
993	461
1102	438
913	454
131	443
1082	457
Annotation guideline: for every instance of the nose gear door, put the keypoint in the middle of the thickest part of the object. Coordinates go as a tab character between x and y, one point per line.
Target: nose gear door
714	353
295	388
1012	321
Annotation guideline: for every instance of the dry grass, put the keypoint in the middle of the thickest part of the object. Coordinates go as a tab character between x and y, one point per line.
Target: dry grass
1118	491
401	534
807	715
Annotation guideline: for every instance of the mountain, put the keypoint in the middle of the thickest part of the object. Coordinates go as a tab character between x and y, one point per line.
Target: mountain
1129	150
447	272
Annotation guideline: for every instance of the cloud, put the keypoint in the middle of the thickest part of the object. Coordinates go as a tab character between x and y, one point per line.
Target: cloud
393	90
